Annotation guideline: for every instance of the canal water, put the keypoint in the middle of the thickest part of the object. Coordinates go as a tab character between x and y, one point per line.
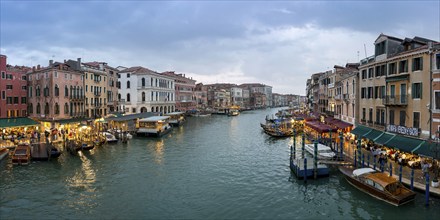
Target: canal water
215	167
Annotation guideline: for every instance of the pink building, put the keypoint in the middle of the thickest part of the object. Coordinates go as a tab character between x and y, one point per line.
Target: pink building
185	97
55	92
13	101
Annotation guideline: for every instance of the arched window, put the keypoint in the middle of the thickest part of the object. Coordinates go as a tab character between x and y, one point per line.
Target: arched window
57	109
37	91
143	82
66	91
119	96
57	90
38	108
66	108
143	96
152	109
46	91
128	84
128	97
46	109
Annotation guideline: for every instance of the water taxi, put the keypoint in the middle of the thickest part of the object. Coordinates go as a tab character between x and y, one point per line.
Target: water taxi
379	185
233	112
21	155
176	118
154	126
324	152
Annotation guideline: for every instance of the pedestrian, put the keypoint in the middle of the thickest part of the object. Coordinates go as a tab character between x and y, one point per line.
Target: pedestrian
425	167
39	137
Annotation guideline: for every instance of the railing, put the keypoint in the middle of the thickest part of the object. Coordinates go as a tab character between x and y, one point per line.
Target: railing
338	97
395	100
346	97
97	93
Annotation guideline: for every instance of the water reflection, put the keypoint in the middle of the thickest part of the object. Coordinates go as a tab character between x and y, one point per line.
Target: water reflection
81	186
158	151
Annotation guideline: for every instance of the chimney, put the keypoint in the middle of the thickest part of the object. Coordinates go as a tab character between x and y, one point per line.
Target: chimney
33	68
50	63
38	67
79	64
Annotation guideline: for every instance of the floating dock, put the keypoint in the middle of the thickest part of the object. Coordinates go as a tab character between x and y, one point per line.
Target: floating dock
302	169
39	152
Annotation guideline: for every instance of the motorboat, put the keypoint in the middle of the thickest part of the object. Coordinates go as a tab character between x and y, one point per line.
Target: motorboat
324	152
234	112
109	137
154	126
379	185
176	118
22	155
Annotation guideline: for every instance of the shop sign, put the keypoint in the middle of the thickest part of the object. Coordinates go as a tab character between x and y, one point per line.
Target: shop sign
403	130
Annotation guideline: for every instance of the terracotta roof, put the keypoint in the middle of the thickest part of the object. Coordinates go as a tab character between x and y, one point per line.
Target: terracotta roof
137	69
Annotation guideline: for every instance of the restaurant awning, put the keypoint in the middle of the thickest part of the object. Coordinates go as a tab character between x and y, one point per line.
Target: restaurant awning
132	116
320	127
373	134
404	143
17	122
342	124
428	149
360	130
384	138
71	120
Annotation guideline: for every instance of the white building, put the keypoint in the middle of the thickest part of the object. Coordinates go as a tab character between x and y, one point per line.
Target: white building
144	90
237	96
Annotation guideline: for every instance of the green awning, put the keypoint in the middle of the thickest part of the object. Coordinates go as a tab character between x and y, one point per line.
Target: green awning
373	134
428	149
360	130
384	138
397	78
404	143
71	120
17	122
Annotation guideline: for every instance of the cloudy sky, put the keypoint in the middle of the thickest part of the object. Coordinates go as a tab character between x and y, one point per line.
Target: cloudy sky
278	43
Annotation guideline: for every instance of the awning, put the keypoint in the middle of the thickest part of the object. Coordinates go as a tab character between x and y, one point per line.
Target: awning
17	122
320	127
428	149
342	124
132	116
404	143
373	134
71	120
384	138
360	130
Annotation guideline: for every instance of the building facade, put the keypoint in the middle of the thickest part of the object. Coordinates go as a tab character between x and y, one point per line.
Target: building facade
13	87
55	92
184	89
144	90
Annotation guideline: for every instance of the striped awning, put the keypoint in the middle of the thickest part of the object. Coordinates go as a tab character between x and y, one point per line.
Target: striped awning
360	130
17	122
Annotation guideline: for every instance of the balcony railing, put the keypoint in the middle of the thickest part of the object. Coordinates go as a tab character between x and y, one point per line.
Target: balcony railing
338	97
97	93
395	100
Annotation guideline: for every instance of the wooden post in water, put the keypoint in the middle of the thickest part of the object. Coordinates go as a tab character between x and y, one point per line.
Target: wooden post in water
355	158
315	160
305	169
341	137
427	190
331	140
359	149
400	172
303	145
412	178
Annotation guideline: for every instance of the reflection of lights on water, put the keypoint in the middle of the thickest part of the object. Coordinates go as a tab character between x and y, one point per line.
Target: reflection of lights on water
84	177
158	150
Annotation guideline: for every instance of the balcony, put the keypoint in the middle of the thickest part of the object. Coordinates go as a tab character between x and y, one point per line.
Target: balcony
395	100
338	97
97	93
346	97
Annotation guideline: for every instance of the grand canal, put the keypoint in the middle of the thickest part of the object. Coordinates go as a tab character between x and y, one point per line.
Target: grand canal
212	167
